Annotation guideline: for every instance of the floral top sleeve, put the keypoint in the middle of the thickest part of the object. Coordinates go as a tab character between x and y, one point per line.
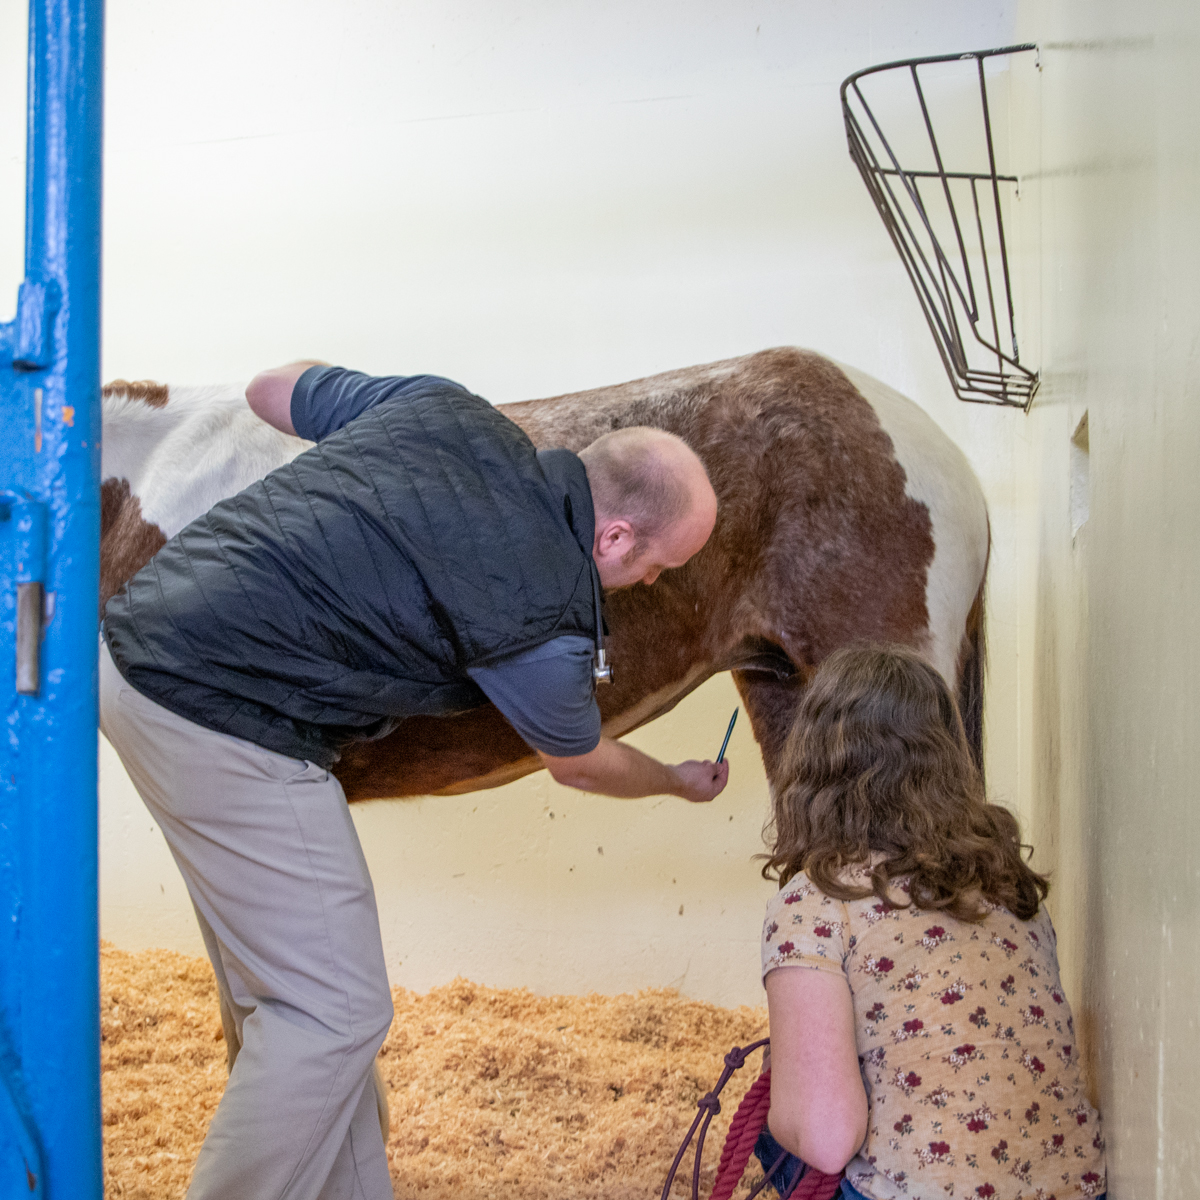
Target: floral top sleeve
805	928
965	1042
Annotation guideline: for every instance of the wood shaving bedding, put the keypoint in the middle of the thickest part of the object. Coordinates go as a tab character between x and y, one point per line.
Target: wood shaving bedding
491	1090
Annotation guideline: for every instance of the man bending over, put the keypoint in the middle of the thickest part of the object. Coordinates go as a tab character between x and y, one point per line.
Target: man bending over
421	558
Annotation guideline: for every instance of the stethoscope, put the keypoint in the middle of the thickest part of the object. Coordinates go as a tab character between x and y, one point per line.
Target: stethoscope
602	671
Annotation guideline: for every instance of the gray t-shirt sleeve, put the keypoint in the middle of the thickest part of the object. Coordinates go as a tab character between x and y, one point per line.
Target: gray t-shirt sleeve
325	399
546	694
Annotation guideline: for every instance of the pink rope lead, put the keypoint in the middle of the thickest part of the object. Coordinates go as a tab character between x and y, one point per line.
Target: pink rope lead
816	1186
744	1129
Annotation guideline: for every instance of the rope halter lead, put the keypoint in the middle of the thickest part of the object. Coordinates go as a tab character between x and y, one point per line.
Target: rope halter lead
748	1122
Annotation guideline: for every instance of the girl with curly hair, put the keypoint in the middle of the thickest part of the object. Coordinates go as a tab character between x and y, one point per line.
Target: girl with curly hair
920	1036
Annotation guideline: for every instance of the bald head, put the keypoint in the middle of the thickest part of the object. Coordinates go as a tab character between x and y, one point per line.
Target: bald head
654	504
644	475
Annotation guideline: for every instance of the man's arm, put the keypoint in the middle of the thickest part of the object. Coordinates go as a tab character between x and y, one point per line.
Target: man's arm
547	695
615	769
270	393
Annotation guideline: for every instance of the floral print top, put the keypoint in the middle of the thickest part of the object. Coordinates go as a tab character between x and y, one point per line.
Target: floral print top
966	1045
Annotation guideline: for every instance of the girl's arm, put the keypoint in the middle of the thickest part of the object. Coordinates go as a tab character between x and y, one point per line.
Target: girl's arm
818	1104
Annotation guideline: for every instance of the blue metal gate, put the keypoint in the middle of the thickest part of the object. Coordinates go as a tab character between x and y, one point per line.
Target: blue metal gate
49	566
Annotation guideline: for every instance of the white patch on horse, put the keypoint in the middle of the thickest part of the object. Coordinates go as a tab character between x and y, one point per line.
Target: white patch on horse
203	445
938	476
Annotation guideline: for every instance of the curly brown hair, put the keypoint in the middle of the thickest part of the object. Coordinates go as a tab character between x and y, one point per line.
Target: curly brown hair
877	773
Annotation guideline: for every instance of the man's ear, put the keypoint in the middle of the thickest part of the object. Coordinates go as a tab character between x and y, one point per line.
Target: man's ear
614	539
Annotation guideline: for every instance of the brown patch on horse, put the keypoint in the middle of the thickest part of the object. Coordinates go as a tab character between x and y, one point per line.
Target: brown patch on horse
816	546
145	390
127	541
431	755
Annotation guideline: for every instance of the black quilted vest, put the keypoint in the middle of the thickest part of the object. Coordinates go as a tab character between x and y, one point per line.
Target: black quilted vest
352	587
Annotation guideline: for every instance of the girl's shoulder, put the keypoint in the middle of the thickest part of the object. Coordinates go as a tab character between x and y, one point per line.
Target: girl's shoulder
799	890
1001	935
805	928
1033	941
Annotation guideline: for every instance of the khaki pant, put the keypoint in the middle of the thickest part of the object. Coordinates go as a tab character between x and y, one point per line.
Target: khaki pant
286	906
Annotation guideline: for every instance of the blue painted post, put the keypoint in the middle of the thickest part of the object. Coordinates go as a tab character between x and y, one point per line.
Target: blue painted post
49	569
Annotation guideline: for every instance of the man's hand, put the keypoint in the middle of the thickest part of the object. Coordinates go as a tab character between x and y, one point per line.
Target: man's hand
615	769
702	781
270	393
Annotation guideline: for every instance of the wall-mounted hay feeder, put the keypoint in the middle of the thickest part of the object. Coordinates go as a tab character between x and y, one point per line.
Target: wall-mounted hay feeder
935	182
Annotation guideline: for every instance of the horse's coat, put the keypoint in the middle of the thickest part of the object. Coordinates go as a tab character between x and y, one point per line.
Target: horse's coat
845	515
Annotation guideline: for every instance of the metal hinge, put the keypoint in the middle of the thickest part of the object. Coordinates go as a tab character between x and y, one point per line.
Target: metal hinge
28	518
27	343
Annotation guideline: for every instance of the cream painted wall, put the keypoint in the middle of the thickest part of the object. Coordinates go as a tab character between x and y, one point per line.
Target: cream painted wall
1113	129
532	197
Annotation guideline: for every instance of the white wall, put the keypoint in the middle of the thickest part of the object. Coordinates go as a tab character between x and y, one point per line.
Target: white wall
1114	123
533	198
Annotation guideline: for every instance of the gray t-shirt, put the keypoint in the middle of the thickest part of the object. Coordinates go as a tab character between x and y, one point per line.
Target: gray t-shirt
546	694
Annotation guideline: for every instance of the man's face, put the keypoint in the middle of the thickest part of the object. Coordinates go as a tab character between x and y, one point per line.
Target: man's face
672	548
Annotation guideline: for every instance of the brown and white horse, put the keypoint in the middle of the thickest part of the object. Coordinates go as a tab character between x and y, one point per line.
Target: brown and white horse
846	515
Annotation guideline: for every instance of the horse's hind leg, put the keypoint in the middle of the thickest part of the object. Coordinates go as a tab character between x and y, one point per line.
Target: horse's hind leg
972	660
771	705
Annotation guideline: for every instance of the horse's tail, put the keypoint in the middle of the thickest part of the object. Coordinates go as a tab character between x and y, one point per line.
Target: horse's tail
972	661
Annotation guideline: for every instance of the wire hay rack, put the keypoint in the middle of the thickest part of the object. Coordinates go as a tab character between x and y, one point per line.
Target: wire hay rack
946	218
